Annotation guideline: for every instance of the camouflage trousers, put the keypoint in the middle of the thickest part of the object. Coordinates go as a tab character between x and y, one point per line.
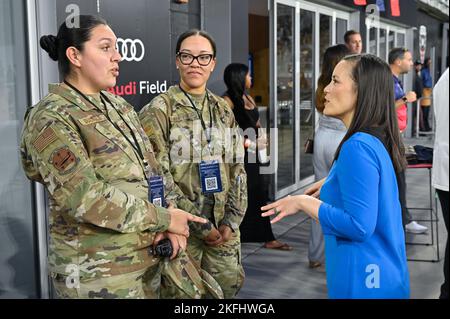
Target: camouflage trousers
170	279
223	262
133	285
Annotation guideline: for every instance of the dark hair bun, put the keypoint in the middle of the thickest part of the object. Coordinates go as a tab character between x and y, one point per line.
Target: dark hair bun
50	44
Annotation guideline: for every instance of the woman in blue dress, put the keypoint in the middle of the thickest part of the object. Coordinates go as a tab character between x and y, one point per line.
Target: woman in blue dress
359	210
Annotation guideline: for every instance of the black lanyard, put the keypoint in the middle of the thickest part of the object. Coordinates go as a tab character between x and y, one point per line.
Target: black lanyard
200	115
134	145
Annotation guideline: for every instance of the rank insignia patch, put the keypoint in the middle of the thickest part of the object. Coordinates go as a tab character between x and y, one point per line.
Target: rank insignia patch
64	160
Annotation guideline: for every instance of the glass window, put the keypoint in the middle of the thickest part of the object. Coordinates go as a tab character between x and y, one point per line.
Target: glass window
285	96
17	257
400	40
373	41
391	40
383	44
307	89
324	35
341	28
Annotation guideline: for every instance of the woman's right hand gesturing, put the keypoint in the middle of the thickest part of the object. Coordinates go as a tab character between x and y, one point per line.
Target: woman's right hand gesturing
179	221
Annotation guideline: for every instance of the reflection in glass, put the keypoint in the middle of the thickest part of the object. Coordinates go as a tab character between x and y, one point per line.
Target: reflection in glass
285	96
324	35
341	28
17	245
383	43
306	109
400	40
373	41
391	40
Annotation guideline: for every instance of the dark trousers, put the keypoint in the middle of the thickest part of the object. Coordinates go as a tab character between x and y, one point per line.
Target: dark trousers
443	198
401	180
425	115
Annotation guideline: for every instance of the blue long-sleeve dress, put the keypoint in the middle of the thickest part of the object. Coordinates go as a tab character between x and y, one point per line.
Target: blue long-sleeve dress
361	221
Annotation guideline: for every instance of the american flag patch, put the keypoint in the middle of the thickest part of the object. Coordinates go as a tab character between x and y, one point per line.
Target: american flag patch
47	137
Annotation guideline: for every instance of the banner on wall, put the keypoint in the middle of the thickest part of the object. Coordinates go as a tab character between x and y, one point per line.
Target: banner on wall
144	45
380	5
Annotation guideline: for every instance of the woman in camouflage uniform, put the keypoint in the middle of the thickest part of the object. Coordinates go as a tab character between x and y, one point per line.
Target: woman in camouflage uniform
196	141
89	150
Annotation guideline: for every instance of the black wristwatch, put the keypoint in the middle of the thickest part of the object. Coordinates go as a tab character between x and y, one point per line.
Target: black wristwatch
405	99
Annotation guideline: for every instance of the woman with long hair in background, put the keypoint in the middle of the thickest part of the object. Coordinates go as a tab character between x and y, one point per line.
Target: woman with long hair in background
253	227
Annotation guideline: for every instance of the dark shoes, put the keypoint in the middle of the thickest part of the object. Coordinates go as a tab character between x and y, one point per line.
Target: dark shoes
275	244
314	264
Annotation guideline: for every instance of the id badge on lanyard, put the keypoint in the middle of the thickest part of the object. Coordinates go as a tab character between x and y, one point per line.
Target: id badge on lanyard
156	190
210	177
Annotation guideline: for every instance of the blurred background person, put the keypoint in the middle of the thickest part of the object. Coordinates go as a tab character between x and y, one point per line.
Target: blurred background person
328	136
427	82
253	227
353	41
401	62
418	87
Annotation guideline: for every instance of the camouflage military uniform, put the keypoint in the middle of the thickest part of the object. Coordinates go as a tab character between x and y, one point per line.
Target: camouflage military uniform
179	141
101	223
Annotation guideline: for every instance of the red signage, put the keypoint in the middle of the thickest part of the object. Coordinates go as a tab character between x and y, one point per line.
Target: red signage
395	8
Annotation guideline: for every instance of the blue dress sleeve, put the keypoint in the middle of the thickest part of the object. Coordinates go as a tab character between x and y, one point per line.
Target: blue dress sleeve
358	179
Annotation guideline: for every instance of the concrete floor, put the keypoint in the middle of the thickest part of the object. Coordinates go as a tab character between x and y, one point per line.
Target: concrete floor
285	274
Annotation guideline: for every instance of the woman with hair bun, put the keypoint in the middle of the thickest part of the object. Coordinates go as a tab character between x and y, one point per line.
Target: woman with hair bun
89	150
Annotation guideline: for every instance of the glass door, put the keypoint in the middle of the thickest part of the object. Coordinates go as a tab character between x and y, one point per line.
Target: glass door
307	89
284	94
18	253
300	33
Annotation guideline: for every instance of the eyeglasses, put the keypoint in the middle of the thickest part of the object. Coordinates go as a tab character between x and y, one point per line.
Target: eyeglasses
188	59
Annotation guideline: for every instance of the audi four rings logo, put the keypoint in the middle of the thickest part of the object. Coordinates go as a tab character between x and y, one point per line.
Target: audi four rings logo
131	50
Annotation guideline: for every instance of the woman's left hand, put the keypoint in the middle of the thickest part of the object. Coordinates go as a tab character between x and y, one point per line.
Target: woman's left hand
283	207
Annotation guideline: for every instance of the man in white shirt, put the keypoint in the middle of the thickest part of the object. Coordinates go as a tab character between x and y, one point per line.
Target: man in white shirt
440	159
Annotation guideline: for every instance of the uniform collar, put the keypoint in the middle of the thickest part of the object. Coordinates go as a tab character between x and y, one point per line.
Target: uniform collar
180	98
73	97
